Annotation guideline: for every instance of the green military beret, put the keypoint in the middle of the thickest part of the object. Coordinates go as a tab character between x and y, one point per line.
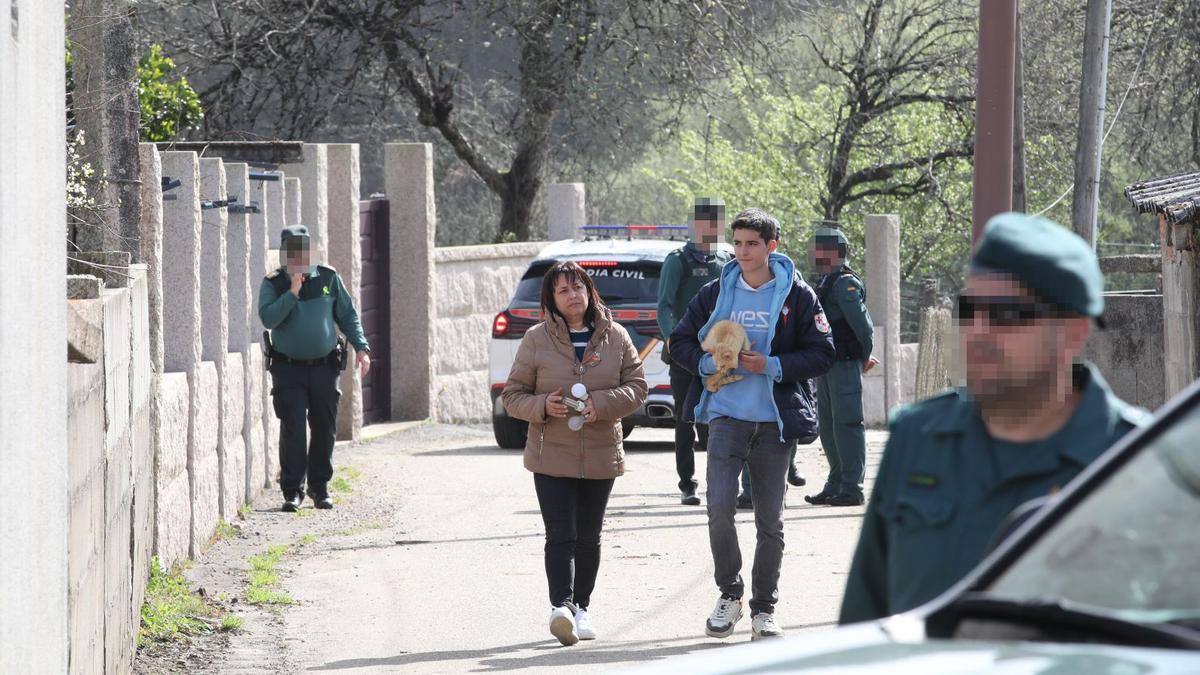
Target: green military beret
1049	259
709	208
831	236
296	235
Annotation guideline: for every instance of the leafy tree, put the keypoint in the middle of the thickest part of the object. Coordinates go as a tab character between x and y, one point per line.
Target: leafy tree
168	103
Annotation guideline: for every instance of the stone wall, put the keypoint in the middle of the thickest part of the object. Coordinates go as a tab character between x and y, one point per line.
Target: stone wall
1129	351
472	284
33	378
875	412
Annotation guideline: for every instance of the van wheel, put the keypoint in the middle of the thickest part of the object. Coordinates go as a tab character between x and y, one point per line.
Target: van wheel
626	429
510	432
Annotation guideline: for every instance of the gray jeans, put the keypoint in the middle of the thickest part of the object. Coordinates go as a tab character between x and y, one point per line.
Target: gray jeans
732	443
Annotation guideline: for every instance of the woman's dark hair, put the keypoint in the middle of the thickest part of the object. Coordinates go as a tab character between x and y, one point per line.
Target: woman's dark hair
573	272
759	221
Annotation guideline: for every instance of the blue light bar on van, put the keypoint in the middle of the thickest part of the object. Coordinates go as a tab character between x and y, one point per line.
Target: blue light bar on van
632	229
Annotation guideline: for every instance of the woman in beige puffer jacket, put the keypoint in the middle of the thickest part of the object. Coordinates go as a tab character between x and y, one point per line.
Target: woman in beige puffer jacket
573	471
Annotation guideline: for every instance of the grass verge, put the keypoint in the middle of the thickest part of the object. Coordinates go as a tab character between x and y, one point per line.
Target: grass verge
263	578
171	609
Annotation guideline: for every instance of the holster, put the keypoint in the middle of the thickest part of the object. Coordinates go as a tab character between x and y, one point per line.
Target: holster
267	349
343	353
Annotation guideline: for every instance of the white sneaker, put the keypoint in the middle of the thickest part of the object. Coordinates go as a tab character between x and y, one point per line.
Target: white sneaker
583	625
562	626
763	626
723	618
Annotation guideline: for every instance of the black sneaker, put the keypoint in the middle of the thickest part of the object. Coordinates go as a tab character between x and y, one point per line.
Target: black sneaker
818	499
689	497
845	500
292	501
745	501
321	499
794	477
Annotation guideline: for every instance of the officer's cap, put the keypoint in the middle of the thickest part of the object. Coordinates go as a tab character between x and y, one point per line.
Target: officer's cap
709	208
1046	257
294	237
831	237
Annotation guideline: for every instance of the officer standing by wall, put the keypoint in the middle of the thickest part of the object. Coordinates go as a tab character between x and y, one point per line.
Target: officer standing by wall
1029	420
303	305
840	391
684	272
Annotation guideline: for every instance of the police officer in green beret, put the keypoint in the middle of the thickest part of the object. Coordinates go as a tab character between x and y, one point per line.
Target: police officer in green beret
303	305
1029	420
684	272
839	392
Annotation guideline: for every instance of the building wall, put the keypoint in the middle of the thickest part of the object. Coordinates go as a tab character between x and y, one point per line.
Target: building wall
1129	351
33	379
472	285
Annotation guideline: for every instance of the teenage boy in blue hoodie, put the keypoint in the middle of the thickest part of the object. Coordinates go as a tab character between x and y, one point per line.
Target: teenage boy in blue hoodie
755	420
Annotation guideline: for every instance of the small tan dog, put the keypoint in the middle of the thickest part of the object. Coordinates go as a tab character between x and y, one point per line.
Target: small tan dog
725	341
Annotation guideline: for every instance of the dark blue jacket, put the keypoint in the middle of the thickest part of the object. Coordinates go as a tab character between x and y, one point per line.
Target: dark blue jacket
801	340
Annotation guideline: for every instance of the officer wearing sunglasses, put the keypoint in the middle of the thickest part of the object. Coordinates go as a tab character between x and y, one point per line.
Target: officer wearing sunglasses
1030	418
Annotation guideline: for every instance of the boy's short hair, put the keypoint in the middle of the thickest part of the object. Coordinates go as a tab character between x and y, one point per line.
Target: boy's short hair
758	220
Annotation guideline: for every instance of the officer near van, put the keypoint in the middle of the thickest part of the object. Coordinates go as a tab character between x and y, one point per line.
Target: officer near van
839	392
1031	417
303	305
684	272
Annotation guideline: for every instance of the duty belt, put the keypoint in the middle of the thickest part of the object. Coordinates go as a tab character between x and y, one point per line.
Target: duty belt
330	359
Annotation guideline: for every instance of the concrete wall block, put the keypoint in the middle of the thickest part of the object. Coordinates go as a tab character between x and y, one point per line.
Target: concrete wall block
142	523
85	331
293	196
141	364
271	449
461	344
85	622
252	432
233	396
172	520
256	474
85	424
150	238
462	398
313	173
233	478
118	344
270	197
118	583
181	264
345	254
172	452
204	468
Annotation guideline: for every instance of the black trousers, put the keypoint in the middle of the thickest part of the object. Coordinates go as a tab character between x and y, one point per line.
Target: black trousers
685	432
305	397
573	512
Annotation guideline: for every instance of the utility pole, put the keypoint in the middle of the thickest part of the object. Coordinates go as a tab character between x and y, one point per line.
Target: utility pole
994	112
1019	190
1090	144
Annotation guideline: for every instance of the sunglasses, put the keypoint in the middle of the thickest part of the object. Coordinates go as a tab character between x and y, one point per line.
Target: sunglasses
1005	311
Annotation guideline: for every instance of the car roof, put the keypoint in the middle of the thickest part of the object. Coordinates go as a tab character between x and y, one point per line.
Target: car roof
612	248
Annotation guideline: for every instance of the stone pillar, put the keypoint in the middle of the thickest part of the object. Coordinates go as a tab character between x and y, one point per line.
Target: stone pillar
883	300
314	209
408	179
33	365
214	293
257	398
283	208
244	397
180	436
142	390
237	258
345	255
151	252
566	210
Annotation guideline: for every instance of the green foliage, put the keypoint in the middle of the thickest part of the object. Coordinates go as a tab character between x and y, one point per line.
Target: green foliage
263	578
171	609
169	105
231	623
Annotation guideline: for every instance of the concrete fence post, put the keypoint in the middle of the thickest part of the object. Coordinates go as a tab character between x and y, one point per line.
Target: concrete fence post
345	255
883	300
313	173
180	405
566	210
408	176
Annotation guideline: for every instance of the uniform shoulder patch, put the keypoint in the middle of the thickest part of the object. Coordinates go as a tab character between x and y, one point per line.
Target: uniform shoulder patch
821	322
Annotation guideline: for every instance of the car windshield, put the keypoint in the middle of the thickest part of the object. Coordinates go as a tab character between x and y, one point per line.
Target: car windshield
1130	547
617	283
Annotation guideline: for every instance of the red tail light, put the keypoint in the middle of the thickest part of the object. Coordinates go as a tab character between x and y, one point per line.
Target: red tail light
500	325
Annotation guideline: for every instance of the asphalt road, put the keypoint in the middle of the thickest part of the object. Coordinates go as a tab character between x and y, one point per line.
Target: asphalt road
448	578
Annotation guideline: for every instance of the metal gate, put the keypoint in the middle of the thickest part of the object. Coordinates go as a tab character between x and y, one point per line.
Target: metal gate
375	311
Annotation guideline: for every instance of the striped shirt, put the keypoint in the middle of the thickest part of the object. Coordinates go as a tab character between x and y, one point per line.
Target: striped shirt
579	340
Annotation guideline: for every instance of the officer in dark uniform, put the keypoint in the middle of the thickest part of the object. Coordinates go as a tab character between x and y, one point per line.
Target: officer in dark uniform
303	305
684	272
1029	420
840	391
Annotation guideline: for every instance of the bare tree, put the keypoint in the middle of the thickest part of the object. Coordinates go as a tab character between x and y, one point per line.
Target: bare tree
545	68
